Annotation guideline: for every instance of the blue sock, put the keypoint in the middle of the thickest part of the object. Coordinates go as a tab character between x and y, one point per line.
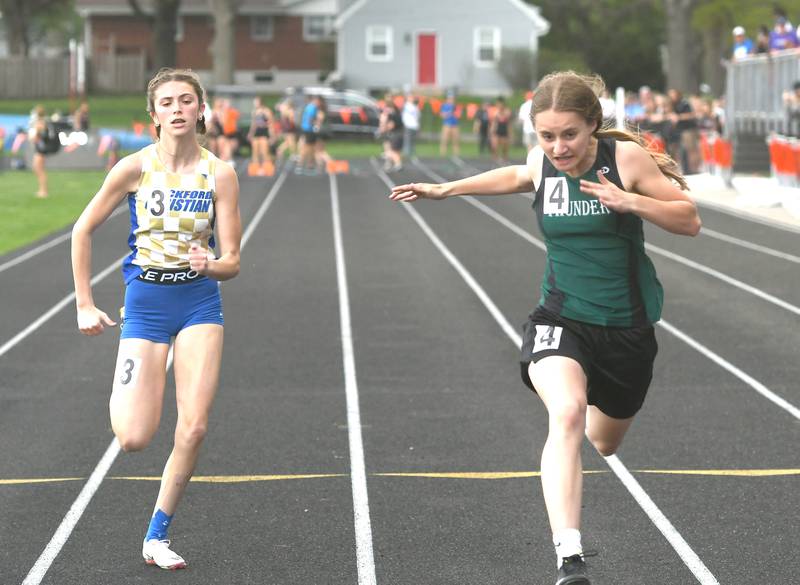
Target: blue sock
159	524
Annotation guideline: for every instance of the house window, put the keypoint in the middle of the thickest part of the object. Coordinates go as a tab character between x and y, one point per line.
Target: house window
379	43
179	28
487	45
261	28
317	28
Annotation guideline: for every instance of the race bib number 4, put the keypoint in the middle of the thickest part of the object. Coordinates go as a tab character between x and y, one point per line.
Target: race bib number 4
547	337
556	196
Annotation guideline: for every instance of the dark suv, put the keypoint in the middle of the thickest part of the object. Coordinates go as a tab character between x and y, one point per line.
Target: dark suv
349	112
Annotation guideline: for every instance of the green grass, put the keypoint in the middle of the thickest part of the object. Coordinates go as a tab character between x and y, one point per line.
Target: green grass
117	111
27	219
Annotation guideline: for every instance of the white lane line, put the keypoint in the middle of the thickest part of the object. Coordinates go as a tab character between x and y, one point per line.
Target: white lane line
725	278
47	245
690	558
63	532
750	245
46	316
365	561
743	376
746	378
726	209
685	552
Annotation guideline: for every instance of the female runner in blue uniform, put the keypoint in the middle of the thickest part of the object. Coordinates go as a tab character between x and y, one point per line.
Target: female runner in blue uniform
178	194
589	346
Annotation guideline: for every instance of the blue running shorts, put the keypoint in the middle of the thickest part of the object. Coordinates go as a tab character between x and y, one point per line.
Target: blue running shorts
159	304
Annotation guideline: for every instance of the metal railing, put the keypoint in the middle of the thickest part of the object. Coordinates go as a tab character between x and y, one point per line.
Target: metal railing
754	93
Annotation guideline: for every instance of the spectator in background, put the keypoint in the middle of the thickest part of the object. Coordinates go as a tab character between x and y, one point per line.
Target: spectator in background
762	41
685	121
450	132
524	116
410	119
480	127
37	133
742	45
791	100
634	110
394	134
229	140
609	107
782	36
322	126
308	140
259	134
500	131
80	119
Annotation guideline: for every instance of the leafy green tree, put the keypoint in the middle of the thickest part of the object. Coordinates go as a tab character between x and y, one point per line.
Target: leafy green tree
20	18
164	22
619	39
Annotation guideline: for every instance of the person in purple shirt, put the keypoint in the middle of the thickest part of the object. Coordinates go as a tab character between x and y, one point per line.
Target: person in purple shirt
782	37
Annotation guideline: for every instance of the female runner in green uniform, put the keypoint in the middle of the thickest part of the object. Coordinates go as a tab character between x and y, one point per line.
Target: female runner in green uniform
589	346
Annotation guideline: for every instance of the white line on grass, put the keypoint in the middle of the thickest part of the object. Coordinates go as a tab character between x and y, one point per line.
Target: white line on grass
746	378
63	532
47	245
685	552
358	478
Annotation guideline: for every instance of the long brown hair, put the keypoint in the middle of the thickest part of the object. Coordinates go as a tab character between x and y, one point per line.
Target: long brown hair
185	75
567	91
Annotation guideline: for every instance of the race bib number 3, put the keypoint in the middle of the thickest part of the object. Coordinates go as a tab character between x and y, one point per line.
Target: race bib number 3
158	202
556	196
547	337
127	372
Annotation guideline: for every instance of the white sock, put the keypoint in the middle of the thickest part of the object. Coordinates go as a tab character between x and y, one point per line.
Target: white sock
568	543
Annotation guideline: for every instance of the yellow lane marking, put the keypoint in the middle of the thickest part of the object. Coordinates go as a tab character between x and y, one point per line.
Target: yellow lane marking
427	475
472	475
239	478
43	480
725	472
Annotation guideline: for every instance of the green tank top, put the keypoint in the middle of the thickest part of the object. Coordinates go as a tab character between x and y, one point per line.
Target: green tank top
597	270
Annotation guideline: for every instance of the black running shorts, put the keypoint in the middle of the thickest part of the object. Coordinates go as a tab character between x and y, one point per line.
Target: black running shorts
617	361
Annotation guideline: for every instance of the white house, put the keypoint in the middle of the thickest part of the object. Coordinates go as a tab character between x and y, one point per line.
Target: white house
432	45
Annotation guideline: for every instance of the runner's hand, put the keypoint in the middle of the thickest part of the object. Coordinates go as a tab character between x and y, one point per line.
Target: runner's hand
199	259
93	321
414	191
609	194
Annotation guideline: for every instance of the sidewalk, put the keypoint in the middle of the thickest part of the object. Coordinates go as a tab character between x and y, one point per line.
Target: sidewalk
758	198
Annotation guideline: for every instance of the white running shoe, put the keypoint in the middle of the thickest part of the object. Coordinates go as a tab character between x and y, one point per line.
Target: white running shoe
157	552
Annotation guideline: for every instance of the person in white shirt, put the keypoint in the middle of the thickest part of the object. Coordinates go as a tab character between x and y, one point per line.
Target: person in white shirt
524	115
410	116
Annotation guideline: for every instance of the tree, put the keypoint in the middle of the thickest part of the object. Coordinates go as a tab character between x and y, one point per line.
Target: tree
164	21
681	45
223	47
517	66
18	18
619	39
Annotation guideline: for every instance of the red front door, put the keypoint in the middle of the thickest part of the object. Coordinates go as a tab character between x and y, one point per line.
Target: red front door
426	59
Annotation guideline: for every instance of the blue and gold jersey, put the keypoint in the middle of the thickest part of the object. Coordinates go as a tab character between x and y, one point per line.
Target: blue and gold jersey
169	213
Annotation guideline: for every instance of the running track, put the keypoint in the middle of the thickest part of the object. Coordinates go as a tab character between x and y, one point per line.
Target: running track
371	427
